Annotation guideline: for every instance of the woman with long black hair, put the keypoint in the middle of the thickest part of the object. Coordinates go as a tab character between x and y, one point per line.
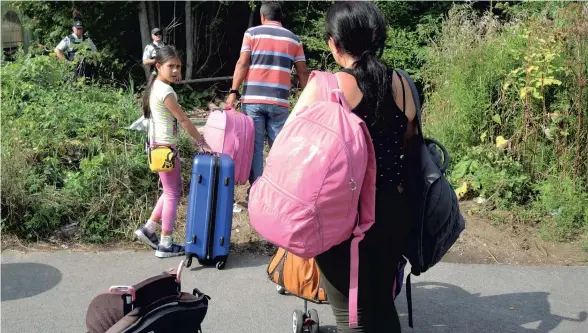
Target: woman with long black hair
356	33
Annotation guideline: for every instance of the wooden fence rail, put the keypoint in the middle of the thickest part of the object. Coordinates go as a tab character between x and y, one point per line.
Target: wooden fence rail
209	79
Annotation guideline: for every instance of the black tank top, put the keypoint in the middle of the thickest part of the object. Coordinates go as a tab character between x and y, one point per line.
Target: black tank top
387	132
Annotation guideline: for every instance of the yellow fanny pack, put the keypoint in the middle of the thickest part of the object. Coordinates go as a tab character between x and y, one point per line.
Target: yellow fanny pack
162	159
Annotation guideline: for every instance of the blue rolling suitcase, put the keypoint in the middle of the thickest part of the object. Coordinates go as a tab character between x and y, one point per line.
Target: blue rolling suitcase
210	209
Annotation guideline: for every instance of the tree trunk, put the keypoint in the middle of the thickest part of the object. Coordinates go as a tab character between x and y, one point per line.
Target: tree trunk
212	40
145	33
159	14
174	37
151	14
251	16
189	40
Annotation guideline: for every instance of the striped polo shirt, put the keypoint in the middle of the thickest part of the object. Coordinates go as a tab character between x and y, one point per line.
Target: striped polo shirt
274	50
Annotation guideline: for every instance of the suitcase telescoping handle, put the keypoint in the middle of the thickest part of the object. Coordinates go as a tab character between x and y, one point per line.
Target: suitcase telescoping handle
206	153
227	108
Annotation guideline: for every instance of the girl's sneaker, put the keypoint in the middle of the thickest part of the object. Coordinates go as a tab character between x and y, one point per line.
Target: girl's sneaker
173	250
147	237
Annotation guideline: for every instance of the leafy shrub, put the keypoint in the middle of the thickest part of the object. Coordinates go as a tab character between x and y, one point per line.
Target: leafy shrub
493	174
560	199
463	71
66	155
507	98
193	99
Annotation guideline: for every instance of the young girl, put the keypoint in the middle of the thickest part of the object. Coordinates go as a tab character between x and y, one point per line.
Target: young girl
356	33
160	106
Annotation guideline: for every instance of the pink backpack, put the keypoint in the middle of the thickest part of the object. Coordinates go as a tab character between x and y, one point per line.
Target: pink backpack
320	168
231	132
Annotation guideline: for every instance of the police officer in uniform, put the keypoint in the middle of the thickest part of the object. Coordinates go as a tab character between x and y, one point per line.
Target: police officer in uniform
151	49
67	48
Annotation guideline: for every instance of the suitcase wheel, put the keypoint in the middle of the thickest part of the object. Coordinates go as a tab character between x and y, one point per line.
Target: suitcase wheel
314	321
297	321
188	260
220	265
281	290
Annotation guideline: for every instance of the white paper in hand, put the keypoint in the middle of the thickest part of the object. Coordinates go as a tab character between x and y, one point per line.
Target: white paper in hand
140	124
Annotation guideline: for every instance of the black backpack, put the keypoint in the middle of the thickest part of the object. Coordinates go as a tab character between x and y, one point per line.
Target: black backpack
436	221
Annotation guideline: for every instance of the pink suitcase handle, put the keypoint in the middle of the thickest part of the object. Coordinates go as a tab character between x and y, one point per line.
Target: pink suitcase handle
179	271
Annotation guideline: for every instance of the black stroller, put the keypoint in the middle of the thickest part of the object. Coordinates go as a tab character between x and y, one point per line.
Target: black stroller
156	304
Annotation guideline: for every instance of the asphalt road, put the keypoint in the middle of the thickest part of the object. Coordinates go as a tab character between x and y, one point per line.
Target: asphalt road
50	292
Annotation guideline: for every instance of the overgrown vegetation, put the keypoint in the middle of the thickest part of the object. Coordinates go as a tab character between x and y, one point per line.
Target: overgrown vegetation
504	90
508	99
67	158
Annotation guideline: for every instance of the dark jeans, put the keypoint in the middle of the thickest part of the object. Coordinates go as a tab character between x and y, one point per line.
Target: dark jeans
379	254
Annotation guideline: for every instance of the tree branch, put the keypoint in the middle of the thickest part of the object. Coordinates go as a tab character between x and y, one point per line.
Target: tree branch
211	38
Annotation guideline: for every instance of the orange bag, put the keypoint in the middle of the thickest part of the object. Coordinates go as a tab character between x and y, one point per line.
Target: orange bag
298	276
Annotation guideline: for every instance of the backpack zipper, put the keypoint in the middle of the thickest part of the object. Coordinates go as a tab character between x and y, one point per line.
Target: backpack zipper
293	197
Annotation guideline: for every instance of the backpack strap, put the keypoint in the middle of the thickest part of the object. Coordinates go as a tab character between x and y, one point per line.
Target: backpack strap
324	84
328	88
348	71
403	95
415	98
417	103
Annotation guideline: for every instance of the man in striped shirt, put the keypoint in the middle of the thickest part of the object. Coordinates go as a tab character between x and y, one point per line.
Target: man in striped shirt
268	53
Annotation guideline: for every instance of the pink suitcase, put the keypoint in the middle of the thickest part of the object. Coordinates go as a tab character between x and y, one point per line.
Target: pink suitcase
231	132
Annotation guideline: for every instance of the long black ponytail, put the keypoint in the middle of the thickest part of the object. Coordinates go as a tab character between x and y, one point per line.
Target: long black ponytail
359	29
164	54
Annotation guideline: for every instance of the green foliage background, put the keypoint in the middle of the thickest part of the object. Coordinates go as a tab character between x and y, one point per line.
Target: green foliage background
503	88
